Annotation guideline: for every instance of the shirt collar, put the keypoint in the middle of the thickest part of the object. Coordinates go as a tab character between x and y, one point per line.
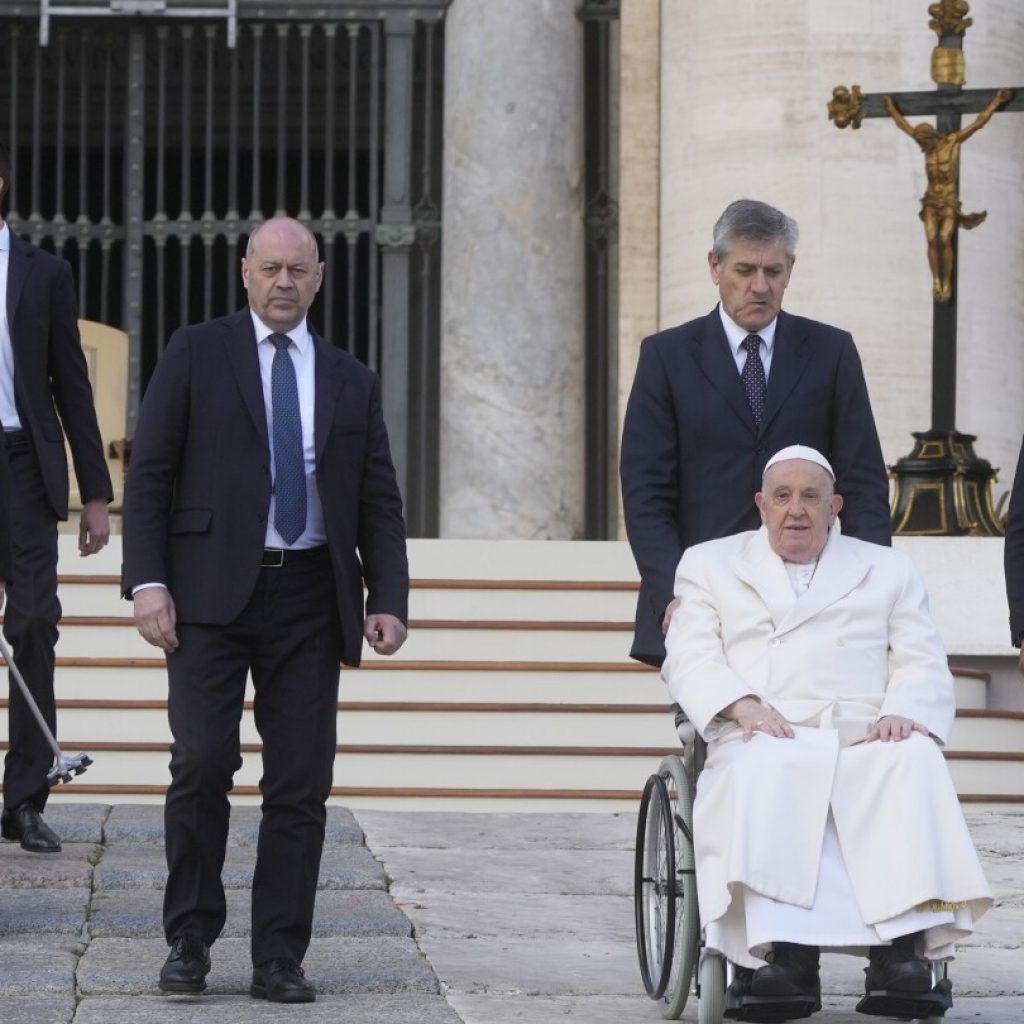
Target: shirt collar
735	334
300	335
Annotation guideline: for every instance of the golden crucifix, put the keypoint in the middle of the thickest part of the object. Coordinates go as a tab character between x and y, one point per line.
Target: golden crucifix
942	487
940	204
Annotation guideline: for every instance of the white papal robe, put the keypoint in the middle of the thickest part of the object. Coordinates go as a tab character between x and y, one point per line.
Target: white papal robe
823	839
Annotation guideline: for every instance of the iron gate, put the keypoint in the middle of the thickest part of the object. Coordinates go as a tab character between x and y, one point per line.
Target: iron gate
145	149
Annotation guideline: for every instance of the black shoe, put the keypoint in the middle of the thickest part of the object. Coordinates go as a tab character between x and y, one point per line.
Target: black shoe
187	965
897	968
281	981
24	822
740	984
792	970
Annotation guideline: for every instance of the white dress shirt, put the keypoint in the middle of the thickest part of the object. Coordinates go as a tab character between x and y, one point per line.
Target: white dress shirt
736	335
8	410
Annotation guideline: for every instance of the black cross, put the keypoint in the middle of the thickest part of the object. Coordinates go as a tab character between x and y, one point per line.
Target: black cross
949	102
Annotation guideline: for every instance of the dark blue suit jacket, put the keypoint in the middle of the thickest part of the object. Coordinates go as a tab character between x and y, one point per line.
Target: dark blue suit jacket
198	487
692	457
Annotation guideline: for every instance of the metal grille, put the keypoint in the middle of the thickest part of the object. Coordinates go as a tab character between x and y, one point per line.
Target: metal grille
145	150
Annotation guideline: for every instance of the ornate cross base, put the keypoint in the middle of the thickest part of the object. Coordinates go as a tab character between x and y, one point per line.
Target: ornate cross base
943	489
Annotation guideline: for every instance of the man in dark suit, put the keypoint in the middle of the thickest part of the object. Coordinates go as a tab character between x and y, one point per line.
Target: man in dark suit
1013	558
44	395
261	495
712	400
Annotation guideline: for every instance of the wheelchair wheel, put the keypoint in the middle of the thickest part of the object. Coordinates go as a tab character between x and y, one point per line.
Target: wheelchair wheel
711	988
654	889
687	918
665	888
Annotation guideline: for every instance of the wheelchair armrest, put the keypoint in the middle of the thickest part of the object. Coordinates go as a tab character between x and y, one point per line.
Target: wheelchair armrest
684	727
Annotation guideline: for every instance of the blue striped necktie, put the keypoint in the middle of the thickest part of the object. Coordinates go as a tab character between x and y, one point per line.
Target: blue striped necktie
289	460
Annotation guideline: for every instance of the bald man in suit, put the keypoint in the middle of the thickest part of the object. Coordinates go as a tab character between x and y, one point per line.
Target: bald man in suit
260	499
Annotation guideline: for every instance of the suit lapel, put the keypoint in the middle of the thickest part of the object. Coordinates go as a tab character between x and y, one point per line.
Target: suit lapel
839	571
789	359
714	357
329	381
18	271
761	569
240	345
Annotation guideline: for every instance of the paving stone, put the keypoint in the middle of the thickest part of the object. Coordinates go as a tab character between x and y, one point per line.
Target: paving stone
569	872
38	911
39	1009
36	967
468	831
72	868
515	914
144	824
130	866
138	913
127	966
535	965
351	1008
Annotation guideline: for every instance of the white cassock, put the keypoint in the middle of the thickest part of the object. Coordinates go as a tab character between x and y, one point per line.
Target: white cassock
823	839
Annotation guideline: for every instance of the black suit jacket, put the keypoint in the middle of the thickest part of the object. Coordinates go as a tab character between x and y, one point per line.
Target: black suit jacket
1013	553
5	517
692	457
198	487
51	380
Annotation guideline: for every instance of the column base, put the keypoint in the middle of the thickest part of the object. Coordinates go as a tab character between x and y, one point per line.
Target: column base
943	489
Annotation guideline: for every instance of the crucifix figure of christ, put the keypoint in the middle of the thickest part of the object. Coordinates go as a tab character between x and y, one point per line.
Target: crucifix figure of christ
940	204
942	487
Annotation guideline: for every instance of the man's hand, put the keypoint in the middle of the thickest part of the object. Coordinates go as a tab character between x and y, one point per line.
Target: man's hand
894	728
669	612
155	618
384	633
753	716
94	528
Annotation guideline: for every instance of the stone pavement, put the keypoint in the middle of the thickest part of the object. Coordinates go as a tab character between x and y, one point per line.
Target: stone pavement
422	918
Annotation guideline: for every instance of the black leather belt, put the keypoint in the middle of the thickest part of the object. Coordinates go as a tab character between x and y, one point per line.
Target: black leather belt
275	558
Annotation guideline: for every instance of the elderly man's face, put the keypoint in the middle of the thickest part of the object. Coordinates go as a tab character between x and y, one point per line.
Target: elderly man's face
751	281
281	274
798	506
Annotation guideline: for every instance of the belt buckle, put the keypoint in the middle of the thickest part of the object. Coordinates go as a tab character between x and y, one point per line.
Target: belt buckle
273	558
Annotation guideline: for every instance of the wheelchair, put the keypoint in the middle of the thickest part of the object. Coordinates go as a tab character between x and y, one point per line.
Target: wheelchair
674	961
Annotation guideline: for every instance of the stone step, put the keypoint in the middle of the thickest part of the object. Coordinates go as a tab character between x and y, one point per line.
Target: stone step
440	640
599	601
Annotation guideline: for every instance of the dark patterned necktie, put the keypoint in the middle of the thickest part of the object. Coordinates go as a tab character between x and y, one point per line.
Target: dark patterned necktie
289	459
753	376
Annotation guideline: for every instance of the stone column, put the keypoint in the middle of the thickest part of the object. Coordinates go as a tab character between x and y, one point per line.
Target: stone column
512	271
639	142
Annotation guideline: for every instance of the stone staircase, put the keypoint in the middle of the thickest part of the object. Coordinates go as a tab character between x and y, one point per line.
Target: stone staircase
513	692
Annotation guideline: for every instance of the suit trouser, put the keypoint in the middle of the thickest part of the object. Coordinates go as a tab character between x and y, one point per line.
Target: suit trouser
289	637
30	625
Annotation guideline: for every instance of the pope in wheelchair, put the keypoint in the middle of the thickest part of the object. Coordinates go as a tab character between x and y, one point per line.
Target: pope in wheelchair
825	817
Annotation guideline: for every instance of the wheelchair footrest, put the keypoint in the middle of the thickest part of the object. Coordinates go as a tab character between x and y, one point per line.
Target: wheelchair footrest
769	1009
908	1005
